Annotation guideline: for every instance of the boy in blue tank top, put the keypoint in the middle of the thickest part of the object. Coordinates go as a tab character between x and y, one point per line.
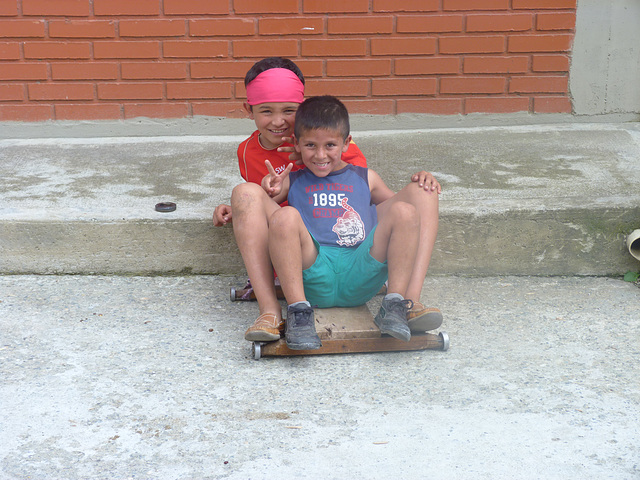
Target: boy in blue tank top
327	246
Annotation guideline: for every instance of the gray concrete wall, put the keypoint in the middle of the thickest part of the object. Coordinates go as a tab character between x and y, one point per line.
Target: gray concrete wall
605	65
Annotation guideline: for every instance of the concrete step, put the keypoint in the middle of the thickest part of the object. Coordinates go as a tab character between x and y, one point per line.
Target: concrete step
524	200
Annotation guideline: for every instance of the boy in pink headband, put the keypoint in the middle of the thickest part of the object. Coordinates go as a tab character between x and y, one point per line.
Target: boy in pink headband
275	88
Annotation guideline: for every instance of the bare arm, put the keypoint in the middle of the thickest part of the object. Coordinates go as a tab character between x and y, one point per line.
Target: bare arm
379	190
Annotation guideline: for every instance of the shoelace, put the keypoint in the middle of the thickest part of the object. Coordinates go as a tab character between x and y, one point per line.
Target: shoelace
302	317
400	306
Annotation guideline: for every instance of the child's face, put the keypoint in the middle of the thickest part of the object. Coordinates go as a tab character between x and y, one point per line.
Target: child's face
321	150
274	121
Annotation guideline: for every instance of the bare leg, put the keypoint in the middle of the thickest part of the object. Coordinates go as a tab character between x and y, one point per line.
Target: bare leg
292	250
252	208
426	204
396	241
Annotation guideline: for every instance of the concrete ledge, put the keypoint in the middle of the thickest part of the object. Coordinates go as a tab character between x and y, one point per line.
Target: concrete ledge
526	200
210	126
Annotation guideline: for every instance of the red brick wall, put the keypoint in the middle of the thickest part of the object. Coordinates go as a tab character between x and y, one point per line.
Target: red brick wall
115	59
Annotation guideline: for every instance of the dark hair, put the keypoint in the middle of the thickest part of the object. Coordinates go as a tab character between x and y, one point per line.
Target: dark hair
323	112
268	64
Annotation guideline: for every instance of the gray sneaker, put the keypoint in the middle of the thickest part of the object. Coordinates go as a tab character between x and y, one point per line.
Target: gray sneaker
300	329
392	318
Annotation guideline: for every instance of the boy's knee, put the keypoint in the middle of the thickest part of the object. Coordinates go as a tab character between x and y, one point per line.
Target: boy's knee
244	189
420	197
405	211
283	218
246	195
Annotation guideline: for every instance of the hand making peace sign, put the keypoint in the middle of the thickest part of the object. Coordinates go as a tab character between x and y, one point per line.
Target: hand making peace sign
273	182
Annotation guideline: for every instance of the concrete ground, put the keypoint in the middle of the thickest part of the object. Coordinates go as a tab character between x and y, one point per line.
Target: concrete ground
114	377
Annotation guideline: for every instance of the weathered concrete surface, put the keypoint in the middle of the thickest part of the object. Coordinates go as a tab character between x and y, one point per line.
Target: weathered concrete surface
149	378
541	200
605	58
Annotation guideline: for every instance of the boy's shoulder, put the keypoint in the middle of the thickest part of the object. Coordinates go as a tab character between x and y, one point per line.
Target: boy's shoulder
254	134
251	157
250	142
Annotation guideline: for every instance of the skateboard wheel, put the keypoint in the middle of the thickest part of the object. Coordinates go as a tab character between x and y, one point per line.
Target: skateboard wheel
256	350
445	341
233	294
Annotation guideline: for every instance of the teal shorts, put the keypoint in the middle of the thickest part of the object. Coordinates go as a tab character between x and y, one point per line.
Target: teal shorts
344	277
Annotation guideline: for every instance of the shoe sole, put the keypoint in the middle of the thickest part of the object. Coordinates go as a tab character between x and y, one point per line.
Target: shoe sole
304	346
261	337
400	335
429	321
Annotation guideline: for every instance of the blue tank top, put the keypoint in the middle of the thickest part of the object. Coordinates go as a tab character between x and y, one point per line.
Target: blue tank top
336	209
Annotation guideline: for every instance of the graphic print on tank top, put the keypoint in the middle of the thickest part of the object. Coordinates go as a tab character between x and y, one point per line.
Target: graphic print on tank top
336	209
349	227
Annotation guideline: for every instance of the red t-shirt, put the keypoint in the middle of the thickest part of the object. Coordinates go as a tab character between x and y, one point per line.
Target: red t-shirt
251	157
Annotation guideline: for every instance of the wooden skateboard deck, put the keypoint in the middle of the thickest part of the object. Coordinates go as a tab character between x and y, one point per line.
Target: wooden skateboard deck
351	330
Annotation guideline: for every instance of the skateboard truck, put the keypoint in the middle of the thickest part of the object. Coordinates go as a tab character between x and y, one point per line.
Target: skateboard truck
246	293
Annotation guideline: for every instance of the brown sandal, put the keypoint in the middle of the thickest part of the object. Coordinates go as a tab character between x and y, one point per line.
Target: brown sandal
266	328
423	319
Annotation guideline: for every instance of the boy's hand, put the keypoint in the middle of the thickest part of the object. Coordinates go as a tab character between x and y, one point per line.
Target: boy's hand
272	182
295	156
427	181
221	215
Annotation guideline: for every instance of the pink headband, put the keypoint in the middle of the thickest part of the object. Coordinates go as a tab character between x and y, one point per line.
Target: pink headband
275	85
